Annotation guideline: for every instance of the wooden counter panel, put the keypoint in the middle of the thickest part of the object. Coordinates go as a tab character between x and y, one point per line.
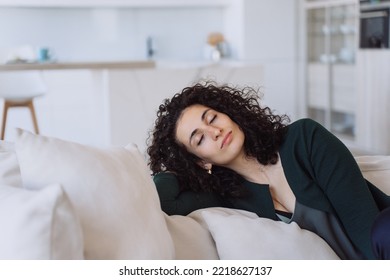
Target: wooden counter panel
79	65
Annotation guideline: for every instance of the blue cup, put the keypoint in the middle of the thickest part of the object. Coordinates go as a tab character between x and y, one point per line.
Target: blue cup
44	54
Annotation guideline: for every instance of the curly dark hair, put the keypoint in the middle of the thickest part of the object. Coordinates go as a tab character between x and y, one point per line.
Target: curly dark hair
263	131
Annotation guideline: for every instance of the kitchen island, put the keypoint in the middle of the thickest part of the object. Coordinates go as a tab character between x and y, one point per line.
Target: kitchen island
115	103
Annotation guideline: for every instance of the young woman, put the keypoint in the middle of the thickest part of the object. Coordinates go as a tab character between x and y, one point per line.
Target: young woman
215	146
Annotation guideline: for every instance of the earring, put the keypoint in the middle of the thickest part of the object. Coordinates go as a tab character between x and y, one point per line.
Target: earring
209	171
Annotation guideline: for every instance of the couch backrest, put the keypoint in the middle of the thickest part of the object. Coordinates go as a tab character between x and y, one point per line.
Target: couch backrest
376	169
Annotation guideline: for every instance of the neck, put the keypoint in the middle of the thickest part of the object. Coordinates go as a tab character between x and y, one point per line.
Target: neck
250	169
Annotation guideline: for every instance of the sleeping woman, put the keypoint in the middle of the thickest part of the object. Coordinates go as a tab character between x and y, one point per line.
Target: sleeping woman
216	146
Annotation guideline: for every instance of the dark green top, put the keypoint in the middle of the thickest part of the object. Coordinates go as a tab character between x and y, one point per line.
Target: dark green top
321	172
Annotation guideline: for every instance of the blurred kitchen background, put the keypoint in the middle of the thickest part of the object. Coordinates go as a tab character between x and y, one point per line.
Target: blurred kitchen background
105	66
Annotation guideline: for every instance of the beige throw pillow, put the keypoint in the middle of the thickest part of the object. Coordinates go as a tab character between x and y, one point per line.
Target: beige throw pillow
38	225
111	190
243	235
9	166
191	237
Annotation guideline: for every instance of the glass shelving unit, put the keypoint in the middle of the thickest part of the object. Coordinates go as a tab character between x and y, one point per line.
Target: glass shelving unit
331	43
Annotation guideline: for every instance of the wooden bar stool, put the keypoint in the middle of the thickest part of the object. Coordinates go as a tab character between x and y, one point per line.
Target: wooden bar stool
19	89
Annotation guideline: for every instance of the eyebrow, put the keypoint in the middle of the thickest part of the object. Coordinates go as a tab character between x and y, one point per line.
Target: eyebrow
196	130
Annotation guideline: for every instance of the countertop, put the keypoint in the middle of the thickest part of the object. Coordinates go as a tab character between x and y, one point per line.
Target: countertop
136	64
131	64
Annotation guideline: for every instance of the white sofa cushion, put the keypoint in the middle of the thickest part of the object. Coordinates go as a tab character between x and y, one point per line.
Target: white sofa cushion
111	190
239	234
38	224
376	169
191	237
9	166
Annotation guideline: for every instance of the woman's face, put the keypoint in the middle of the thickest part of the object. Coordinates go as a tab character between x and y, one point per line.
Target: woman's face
210	135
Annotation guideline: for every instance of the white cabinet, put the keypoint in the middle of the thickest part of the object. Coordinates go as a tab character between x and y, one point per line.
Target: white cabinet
73	108
331	42
347	89
317	86
373	103
344	88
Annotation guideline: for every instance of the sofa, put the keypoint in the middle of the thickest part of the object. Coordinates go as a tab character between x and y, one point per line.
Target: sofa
68	201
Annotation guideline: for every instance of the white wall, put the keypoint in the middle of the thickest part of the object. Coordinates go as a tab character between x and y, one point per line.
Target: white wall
266	31
111	33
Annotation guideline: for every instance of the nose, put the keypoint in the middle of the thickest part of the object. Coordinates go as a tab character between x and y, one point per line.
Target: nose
214	132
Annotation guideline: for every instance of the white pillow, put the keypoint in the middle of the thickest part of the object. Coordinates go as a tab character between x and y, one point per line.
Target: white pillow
376	169
9	166
192	239
239	234
111	190
38	225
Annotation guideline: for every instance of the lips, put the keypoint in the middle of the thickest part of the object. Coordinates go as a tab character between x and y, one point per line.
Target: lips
227	139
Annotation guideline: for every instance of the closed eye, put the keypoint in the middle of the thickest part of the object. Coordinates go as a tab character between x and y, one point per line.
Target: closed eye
200	140
202	137
213	118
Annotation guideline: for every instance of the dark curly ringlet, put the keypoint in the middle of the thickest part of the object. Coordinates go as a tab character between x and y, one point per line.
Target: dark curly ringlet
263	130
